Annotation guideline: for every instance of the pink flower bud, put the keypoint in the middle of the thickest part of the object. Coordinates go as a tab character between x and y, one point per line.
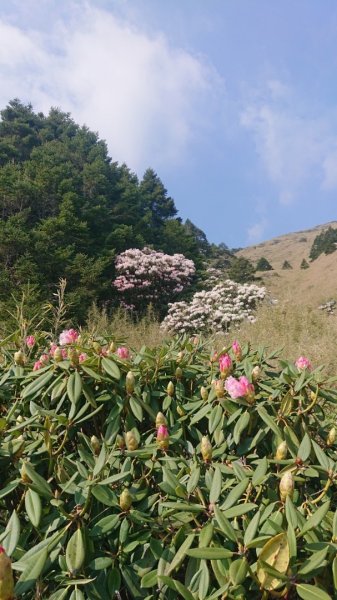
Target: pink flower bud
37	365
30	341
237	350
303	363
225	365
163	437
82	357
123	352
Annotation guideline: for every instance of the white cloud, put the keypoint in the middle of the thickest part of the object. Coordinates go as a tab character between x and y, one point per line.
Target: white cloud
256	231
146	98
294	147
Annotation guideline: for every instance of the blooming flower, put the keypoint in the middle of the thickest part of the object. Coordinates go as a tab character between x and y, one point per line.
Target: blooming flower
68	336
303	363
82	357
30	341
37	365
123	352
239	388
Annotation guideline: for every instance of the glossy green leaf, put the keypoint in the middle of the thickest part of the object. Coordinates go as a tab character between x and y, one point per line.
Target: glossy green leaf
75	551
33	507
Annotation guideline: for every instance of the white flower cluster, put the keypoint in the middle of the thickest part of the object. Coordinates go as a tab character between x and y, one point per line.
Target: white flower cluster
213	311
151	274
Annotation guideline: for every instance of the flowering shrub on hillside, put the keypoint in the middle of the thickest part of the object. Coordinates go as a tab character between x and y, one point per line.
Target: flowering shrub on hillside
165	474
216	309
147	276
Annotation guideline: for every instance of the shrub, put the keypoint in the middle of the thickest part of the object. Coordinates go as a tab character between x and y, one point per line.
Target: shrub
214	310
325	241
167	473
286	265
146	276
304	264
263	265
241	270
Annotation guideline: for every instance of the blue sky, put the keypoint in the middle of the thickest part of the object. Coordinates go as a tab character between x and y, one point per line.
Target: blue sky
232	102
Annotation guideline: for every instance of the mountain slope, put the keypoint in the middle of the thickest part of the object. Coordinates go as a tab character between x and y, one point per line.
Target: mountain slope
309	287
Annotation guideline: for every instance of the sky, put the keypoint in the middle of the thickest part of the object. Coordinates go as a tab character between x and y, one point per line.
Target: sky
232	102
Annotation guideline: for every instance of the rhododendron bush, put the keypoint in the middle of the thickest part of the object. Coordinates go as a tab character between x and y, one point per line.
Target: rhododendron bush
147	276
165	473
215	310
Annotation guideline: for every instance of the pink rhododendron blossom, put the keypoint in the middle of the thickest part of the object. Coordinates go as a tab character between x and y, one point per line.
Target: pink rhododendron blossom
225	363
82	357
68	336
30	341
303	363
123	352
38	365
162	432
44	358
238	388
52	349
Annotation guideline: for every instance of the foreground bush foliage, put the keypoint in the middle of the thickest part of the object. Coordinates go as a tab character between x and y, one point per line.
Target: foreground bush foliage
172	473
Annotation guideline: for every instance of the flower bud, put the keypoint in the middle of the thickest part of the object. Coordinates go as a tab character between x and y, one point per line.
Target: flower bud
19	358
203	393
281	451
57	355
95	444
170	388
237	350
125	500
19	419
179	373
180	356
73	357
120	442
24	475
130	382
331	436
206	448
256	373
131	441
96	347
286	486
219	388
160	420
6	576
163	437
112	347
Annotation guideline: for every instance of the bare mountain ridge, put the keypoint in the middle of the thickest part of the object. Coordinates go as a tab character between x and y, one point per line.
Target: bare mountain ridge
310	286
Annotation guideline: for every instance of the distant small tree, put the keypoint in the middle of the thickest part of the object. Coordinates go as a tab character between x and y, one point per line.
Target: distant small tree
263	265
304	264
241	270
286	265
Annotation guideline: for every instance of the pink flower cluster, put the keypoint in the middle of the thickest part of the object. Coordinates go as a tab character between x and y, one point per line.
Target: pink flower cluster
239	388
68	336
41	362
303	363
148	274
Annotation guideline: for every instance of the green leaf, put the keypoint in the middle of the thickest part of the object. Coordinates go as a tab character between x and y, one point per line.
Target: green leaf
149	579
104	525
180	555
235	494
240	426
136	408
316	518
33	507
214	418
177	586
193	479
38	483
77	595
210	553
216	485
74	387
238	570
11	535
239	510
31	572
206	535
75	552
37	384
225	524
252	528
100	462
270	421
311	592
314	562
111	368
260	471
305	448
321	456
